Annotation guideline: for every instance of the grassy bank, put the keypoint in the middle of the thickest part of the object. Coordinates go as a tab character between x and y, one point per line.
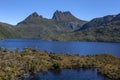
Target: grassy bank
13	66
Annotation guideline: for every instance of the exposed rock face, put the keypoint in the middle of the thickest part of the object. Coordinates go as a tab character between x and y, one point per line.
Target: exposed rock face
64	16
66	21
37	26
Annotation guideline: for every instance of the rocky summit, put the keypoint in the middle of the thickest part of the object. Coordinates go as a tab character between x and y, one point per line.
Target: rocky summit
64	26
39	27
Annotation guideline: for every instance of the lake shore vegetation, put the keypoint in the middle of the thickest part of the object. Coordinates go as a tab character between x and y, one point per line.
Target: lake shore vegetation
16	65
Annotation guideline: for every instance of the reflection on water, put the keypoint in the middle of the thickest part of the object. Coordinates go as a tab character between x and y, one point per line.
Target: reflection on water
69	74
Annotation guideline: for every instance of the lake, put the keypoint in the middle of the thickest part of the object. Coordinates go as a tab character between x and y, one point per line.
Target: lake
81	48
73	47
69	74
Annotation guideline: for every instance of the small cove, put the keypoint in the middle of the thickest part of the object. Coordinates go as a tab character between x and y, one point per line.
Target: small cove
69	74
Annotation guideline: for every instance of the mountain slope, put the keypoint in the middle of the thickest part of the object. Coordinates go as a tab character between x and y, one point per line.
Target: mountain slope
106	29
98	21
7	31
35	26
67	21
65	27
38	27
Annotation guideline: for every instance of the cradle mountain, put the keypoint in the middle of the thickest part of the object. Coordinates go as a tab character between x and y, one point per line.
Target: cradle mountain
64	26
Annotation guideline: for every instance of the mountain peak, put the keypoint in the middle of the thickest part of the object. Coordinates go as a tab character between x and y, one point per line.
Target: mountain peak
116	18
57	11
35	14
60	12
63	16
32	18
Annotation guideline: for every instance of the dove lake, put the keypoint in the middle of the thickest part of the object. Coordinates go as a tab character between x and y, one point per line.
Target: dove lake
60	47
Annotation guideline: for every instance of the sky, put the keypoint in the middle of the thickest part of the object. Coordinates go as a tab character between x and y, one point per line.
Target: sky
14	11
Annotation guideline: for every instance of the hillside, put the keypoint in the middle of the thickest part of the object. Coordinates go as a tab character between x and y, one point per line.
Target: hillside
35	26
103	29
7	31
106	32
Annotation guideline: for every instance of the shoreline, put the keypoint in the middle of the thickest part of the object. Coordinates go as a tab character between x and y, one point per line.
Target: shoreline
35	75
15	65
65	40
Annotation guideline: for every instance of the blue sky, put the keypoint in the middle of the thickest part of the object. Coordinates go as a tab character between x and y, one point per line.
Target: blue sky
14	11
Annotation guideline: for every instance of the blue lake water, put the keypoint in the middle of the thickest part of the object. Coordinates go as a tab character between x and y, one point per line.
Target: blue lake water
82	48
69	74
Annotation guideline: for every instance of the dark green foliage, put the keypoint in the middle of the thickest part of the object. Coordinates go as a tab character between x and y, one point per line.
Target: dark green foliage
56	65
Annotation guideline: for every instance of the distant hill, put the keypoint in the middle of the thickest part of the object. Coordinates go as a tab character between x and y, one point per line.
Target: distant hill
98	21
65	27
7	31
105	29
